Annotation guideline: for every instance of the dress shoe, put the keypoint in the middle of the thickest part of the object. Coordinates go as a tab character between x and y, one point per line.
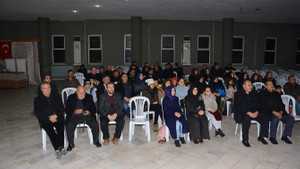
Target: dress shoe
287	140
182	140
70	147
200	140
219	132
262	140
115	140
98	145
273	140
246	143
196	141
106	141
177	144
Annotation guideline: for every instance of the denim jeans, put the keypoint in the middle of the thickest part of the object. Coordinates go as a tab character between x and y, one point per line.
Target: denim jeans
179	130
298	107
126	108
289	124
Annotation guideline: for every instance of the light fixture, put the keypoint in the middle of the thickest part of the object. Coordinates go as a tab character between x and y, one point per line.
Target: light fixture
98	6
75	11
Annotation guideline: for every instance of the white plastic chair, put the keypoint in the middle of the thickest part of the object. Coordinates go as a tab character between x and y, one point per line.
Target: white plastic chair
175	73
239	125
228	107
44	139
66	92
186	78
258	85
139	116
83	125
286	101
78	74
110	123
81	80
222	80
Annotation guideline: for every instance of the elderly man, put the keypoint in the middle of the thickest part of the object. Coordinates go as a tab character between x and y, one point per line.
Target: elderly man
49	111
111	109
246	109
80	108
273	108
292	88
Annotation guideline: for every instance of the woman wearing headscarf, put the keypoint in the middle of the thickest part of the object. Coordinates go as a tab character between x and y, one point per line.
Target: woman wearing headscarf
139	84
194	76
196	118
174	117
201	84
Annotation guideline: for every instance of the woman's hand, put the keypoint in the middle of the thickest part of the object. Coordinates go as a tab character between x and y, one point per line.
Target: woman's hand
177	114
201	112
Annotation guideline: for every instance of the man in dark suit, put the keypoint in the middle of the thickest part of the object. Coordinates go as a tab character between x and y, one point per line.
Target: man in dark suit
246	109
80	108
274	109
111	109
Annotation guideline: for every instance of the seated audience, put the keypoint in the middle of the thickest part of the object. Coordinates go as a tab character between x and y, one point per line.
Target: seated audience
269	77
174	117
216	70
293	89
174	81
201	84
181	91
230	89
168	72
101	88
93	77
243	77
126	90
120	71
89	89
101	73
193	76
151	93
71	81
80	108
115	77
278	89
82	69
211	111
255	78
158	74
49	110
178	70
274	109
109	71
139	84
111	109
48	79
229	67
146	69
196	118
150	74
246	108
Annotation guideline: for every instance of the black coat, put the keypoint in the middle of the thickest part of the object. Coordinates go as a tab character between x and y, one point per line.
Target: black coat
241	104
271	101
104	104
44	107
88	104
119	87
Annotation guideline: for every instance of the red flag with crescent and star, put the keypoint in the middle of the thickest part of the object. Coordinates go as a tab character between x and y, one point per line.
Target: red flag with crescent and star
5	50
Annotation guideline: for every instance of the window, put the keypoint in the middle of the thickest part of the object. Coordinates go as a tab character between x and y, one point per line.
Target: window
95	49
58	49
238	50
127	49
167	48
298	53
203	49
270	50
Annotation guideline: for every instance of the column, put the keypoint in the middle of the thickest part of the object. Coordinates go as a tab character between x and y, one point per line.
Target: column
227	41
136	39
44	46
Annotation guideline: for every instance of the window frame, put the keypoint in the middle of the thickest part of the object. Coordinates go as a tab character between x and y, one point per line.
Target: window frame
125	48
239	50
204	49
161	48
89	48
275	50
53	48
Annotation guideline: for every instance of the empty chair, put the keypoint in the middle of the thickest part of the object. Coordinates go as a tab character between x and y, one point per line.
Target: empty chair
139	116
258	85
290	106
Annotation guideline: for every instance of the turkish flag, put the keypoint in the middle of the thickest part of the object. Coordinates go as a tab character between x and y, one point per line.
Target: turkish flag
5	50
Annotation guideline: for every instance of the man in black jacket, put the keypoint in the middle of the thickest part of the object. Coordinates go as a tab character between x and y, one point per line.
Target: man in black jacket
80	108
111	109
274	109
246	109
49	110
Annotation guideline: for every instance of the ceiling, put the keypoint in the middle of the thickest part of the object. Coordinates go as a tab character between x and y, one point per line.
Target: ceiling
270	11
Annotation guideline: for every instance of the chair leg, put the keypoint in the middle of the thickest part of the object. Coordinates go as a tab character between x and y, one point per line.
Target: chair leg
210	124
281	124
241	133
75	133
188	137
258	129
148	132
130	132
44	141
90	134
228	107
236	128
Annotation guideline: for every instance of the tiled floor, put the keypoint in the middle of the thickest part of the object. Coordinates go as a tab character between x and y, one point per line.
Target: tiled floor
20	146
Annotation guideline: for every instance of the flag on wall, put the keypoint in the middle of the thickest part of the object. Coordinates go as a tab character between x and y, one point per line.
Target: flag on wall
5	50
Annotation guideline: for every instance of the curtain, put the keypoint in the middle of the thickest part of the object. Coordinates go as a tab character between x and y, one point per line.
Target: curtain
28	51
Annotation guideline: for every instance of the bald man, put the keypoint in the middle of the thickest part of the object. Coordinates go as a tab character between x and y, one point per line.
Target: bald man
80	108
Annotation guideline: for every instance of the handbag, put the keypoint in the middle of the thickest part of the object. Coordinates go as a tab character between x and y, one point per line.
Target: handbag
217	115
